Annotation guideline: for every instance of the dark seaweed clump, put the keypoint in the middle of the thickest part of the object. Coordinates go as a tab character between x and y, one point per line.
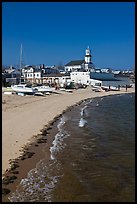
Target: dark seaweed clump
8	179
5	191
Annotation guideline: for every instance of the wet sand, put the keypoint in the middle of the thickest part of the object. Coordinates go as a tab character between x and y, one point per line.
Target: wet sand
24	118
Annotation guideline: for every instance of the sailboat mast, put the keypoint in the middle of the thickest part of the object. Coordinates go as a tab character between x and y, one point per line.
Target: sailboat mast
21	56
20	61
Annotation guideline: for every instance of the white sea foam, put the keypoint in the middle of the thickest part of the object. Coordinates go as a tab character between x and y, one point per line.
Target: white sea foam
58	143
82	110
82	122
39	183
97	104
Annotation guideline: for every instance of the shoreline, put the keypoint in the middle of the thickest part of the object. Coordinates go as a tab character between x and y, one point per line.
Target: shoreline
31	145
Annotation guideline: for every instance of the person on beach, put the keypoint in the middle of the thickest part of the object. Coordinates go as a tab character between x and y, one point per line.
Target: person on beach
119	87
126	87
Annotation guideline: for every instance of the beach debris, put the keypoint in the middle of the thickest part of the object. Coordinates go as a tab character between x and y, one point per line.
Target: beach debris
14	172
13	161
22	157
30	154
42	140
5	191
44	132
7	92
8	179
27	155
36	145
14	166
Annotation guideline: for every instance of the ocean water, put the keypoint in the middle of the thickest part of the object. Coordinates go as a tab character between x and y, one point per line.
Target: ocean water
122	81
92	157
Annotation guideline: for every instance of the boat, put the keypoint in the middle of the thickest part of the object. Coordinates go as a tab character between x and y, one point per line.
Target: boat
43	89
38	94
97	88
110	88
23	88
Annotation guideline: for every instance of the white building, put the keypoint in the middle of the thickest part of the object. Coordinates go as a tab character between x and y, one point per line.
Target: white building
80	65
73	66
80	77
84	78
32	74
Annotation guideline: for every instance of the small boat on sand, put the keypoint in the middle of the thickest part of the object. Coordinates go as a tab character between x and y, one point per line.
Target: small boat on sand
109	88
23	88
43	89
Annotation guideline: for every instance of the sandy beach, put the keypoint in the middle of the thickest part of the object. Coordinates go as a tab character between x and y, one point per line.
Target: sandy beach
25	117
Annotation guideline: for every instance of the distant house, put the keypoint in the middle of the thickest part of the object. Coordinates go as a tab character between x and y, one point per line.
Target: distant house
106	70
32	74
51	70
10	69
11	76
43	75
116	72
60	79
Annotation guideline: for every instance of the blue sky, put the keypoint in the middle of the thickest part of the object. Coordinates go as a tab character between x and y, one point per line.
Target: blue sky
55	33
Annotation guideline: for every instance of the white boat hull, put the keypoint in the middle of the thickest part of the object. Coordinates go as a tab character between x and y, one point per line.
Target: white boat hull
44	89
22	89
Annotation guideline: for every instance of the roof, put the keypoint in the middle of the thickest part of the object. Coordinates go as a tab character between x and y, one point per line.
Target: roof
55	75
76	62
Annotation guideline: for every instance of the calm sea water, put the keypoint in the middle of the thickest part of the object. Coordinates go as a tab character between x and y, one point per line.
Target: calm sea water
122	81
92	156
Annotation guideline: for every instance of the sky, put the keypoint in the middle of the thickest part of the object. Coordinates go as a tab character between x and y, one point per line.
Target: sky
54	33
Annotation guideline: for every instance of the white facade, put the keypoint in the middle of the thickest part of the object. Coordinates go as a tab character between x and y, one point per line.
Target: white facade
73	68
80	77
94	82
84	78
37	75
88	56
63	80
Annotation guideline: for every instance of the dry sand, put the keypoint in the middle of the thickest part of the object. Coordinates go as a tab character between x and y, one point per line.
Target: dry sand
25	116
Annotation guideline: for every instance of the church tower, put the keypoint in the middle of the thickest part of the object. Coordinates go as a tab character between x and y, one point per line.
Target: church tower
88	56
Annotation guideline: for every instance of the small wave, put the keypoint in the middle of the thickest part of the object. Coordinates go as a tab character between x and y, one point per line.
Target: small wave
58	143
82	122
82	110
86	105
97	104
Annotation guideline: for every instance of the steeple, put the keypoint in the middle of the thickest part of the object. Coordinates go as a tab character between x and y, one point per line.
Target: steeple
88	56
